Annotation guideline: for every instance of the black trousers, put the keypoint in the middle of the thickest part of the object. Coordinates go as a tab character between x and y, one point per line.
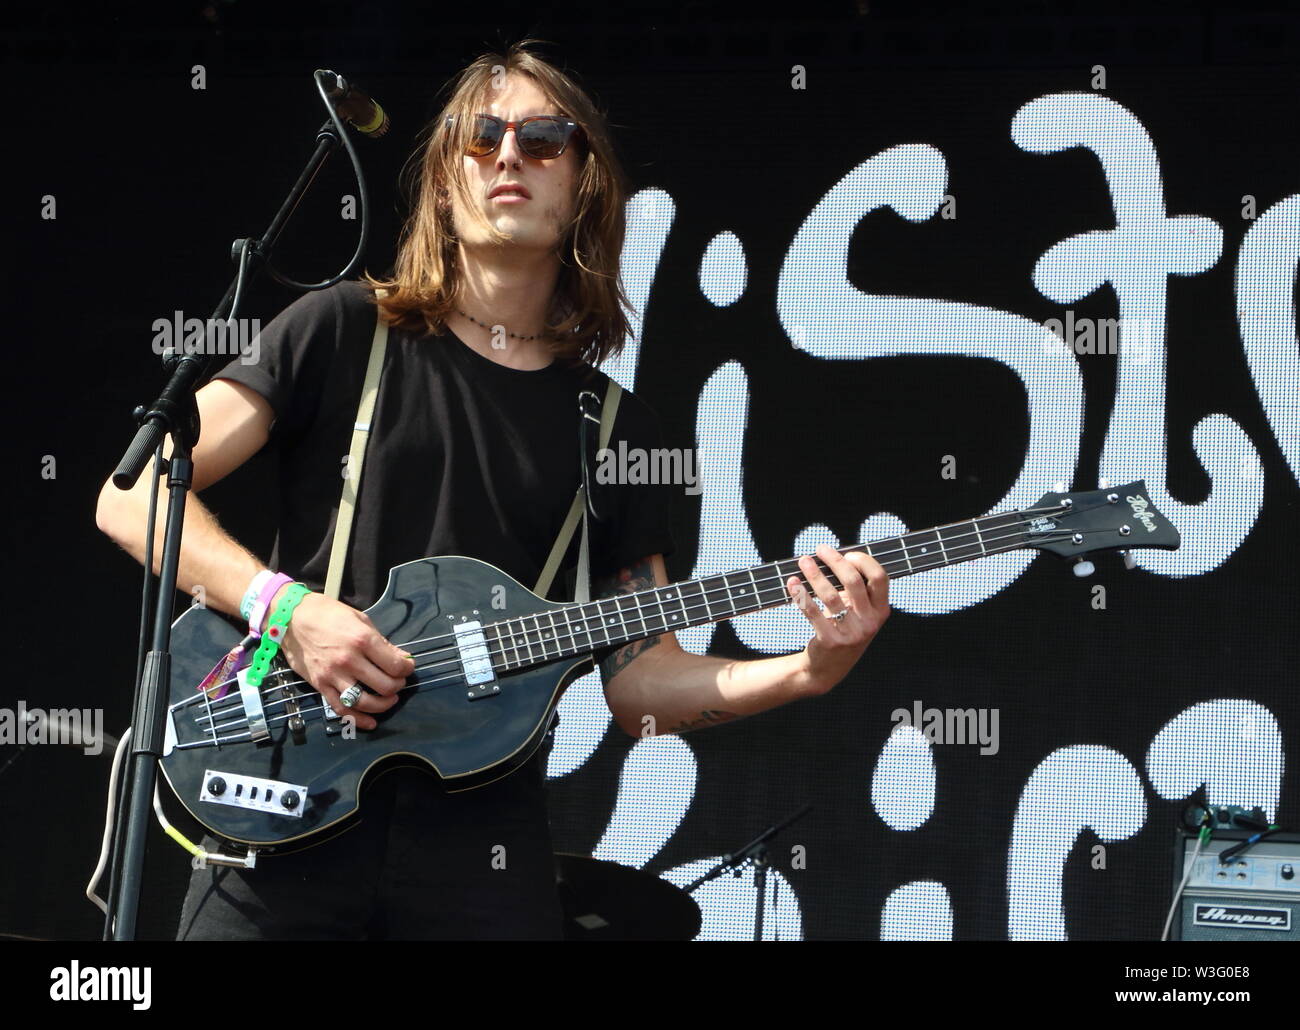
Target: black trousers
421	865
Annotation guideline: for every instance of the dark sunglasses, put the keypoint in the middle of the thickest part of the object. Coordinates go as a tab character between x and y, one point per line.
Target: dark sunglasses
542	136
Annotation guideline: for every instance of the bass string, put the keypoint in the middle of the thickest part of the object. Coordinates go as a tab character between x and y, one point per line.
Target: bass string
234	705
761	584
447	641
453	660
884	557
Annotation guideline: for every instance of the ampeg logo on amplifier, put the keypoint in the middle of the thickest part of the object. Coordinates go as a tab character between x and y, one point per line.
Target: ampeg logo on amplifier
1254	896
1242	916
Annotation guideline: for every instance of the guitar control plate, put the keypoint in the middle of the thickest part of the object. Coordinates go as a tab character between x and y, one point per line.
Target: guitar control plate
254	793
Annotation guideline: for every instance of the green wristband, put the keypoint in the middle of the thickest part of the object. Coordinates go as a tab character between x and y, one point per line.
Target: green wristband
276	625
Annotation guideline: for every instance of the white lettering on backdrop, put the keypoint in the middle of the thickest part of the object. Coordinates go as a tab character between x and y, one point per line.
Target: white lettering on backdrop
827	317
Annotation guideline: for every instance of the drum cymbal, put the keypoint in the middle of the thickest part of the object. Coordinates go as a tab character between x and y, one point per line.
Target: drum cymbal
606	901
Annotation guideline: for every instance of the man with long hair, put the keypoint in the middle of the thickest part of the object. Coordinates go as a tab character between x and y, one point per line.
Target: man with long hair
504	297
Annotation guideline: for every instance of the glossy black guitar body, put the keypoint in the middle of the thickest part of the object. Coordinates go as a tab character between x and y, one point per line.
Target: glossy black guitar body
435	723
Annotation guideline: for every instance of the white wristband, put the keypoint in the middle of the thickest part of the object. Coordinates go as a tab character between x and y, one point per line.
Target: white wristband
251	594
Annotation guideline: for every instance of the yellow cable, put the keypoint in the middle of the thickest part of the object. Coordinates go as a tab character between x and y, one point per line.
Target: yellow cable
171	830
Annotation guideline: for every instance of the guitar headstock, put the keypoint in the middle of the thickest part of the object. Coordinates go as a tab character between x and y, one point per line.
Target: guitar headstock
1073	523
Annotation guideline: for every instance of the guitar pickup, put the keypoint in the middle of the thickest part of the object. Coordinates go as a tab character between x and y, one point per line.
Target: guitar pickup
476	661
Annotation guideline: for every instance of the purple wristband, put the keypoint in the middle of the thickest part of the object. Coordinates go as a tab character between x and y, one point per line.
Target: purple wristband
263	601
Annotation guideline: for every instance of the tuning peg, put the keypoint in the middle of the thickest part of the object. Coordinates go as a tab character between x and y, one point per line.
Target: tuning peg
1084	568
1129	561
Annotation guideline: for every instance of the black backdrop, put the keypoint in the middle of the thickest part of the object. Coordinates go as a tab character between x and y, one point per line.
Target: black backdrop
153	178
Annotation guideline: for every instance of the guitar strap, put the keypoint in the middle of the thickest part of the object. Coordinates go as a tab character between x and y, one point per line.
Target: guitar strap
582	587
357	457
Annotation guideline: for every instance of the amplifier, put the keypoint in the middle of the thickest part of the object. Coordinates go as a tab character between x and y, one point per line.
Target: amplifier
1254	897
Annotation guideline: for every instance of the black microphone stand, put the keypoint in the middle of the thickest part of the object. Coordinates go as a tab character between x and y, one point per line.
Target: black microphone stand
174	413
755	853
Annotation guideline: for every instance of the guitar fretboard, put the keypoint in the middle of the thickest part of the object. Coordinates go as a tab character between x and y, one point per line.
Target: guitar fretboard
580	629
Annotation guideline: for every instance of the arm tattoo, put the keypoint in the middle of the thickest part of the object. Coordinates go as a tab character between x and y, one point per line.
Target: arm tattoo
639	576
708	717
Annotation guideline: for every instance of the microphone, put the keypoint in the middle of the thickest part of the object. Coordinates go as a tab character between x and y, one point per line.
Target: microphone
354	107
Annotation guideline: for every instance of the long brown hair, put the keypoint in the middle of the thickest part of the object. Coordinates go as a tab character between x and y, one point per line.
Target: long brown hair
587	319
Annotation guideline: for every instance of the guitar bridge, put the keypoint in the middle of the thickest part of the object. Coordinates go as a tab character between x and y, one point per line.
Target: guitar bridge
252	700
475	661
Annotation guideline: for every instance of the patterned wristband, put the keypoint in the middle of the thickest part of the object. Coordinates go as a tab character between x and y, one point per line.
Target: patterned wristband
279	622
253	592
257	614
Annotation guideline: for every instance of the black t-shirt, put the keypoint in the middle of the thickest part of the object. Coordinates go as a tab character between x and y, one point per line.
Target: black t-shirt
465	456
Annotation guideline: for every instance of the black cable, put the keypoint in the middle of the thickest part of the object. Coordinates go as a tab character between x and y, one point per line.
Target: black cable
1228	854
363	198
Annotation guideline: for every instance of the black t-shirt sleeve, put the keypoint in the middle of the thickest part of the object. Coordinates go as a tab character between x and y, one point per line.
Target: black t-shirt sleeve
294	355
640	520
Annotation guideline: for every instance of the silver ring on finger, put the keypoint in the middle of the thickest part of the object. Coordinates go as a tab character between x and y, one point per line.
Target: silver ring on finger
351	696
839	615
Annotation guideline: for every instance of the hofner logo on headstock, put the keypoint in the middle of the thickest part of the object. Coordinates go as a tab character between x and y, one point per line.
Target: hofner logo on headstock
1139	504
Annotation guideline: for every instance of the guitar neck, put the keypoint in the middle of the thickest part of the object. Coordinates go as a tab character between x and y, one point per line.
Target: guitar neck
581	629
